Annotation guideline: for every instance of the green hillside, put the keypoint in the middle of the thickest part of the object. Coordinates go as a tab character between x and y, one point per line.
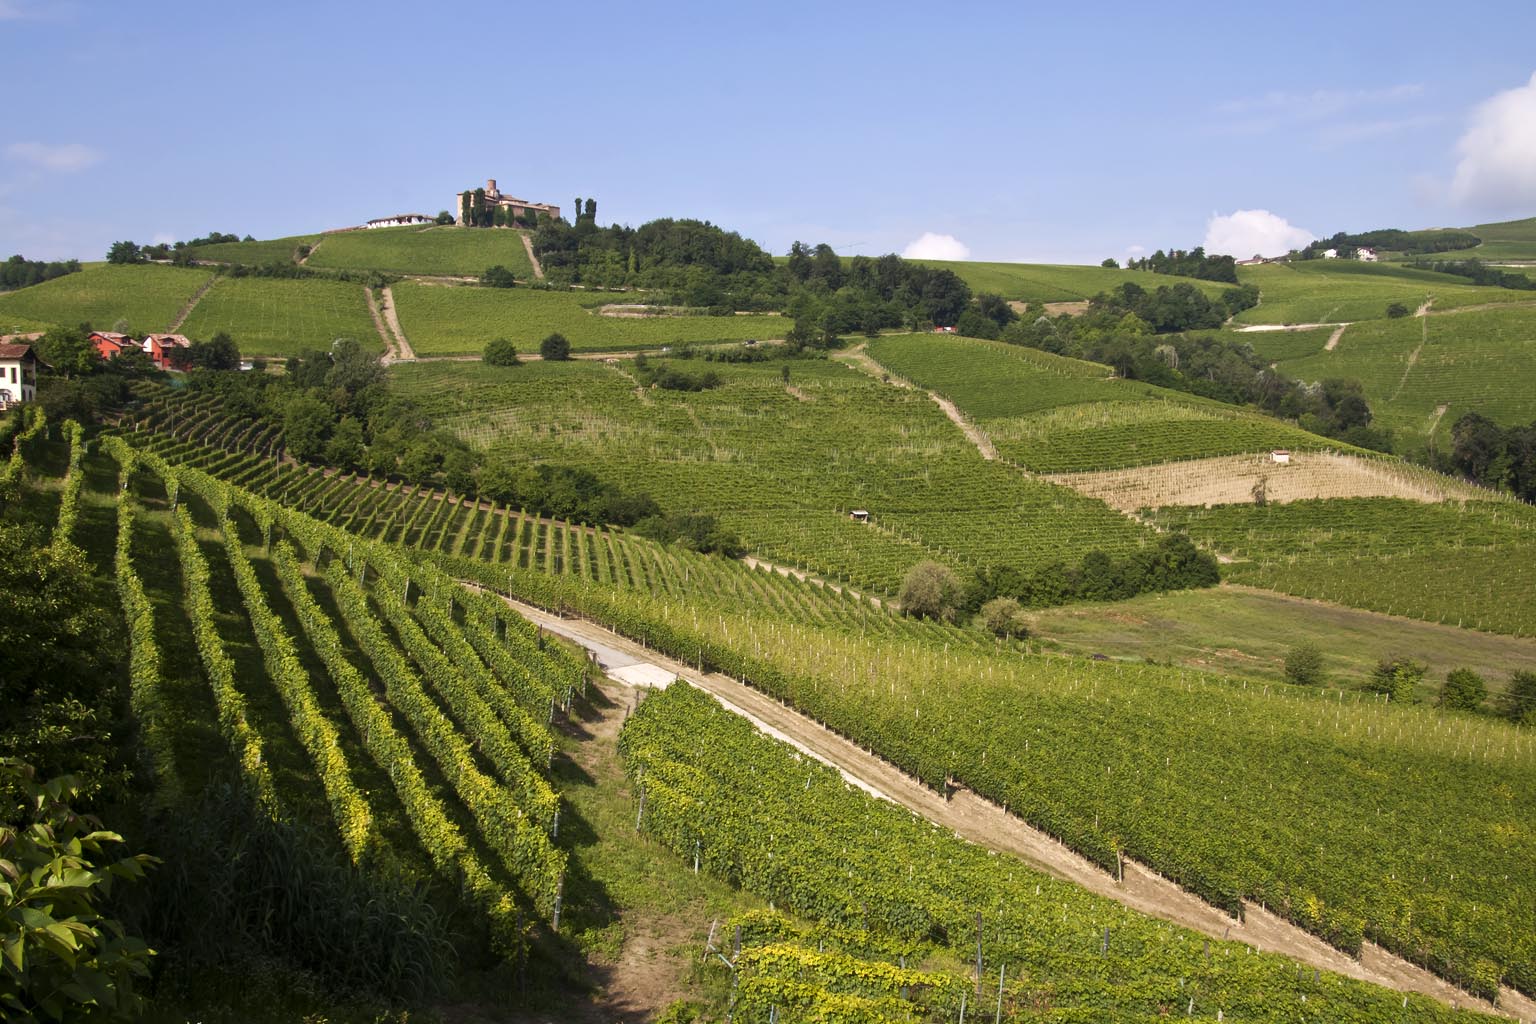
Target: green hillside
1331	291
441	320
275	250
1057	415
1504	240
281	317
448	251
1041	282
147	297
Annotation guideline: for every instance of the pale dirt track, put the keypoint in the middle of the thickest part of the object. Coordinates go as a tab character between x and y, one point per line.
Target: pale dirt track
538	268
860	359
989	825
186	310
403	345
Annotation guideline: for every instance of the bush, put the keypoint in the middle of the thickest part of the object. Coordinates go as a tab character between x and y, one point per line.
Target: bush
1397	311
1304	665
1519	704
555	347
1464	690
497	277
1005	617
1397	677
930	591
500	352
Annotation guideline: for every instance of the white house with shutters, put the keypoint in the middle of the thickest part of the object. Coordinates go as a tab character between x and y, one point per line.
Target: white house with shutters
18	374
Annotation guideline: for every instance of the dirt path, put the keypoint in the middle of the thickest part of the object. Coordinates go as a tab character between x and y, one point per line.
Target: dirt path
403	344
391	354
538	268
186	310
861	359
301	260
1261	328
1333	339
1413	358
989	825
1434	421
1423	309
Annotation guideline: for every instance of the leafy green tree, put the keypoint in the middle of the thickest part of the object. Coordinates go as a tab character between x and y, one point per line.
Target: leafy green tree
1111	264
1397	677
555	347
345	449
1519	703
68	350
497	277
64	960
1005	617
218	353
444	217
500	352
307	423
125	252
930	591
1397	311
1464	690
1304	665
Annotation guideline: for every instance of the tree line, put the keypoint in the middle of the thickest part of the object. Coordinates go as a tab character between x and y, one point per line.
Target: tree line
1392	239
1503	458
1193	263
20	272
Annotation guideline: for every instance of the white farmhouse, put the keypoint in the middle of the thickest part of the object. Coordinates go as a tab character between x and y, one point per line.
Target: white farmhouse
400	220
18	374
1330	254
1365	255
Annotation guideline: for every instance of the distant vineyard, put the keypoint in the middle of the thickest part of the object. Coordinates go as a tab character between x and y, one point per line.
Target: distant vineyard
147	297
1330	291
432	251
1053	415
1467	564
280	317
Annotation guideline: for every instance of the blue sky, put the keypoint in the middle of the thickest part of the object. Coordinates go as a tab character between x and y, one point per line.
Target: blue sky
1047	132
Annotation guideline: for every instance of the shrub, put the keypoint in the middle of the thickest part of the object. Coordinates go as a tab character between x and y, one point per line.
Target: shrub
1519	703
1397	677
497	277
500	352
1397	311
1464	690
555	347
1005	617
1304	665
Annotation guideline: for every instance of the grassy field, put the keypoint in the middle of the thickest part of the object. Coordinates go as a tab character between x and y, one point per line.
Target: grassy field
448	251
1280	345
147	297
780	464
21	325
273	250
1467	564
1241	632
1041	282
1505	240
1470	361
442	320
1330	291
1056	415
278	317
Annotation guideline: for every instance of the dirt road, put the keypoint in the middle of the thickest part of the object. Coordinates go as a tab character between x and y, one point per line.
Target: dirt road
860	359
989	825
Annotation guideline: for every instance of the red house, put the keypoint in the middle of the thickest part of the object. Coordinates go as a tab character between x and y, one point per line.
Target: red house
110	343
161	348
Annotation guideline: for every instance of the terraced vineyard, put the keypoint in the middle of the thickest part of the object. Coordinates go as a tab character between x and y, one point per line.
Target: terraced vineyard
445	251
1329	291
306	667
459	321
1469	564
1473	361
887	893
147	297
1058	415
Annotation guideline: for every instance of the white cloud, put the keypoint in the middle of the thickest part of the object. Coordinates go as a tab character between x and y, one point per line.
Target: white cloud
1319	102
937	247
1245	233
1498	152
70	156
1135	250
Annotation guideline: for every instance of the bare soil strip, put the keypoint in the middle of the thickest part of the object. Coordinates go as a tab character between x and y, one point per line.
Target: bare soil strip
538	268
1333	339
301	260
404	346
186	310
391	354
861	359
982	822
1235	479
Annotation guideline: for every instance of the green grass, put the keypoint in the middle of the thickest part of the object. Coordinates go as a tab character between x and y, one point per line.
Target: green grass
273	250
1480	361
21	325
280	317
429	251
1058	415
1242	632
1040	282
1330	291
147	297
781	468
1467	564
442	320
1505	240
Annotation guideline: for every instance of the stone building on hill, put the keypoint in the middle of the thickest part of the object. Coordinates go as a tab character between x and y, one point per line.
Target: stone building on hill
478	207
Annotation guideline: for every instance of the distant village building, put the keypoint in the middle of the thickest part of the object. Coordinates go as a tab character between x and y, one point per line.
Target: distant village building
1255	261
494	199
18	374
1330	254
110	343
1280	455
1365	255
399	220
859	515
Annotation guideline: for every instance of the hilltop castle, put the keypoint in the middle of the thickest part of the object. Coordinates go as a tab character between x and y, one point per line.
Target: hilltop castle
479	206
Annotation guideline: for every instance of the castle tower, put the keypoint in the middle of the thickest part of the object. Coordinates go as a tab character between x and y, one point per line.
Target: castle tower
490	189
